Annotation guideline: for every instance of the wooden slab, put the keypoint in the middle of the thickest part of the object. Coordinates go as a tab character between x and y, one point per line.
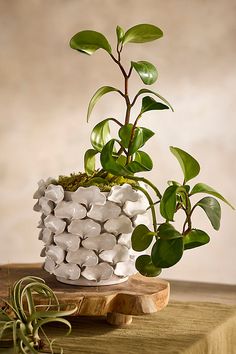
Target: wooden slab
137	296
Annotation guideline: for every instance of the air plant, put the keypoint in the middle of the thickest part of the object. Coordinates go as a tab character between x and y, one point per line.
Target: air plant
23	318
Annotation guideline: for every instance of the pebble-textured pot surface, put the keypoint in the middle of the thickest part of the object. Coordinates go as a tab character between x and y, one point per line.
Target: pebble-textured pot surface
87	233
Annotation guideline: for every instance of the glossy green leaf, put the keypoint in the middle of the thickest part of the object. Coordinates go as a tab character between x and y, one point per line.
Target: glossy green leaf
100	135
142	33
141	238
168	203
147	134
204	188
137	141
147	71
120	34
125	135
89	161
88	42
189	165
142	162
109	163
149	104
145	266
167	252
121	160
195	238
167	231
144	91
98	94
212	208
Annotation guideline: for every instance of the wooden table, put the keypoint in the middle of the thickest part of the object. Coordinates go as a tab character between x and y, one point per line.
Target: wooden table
200	319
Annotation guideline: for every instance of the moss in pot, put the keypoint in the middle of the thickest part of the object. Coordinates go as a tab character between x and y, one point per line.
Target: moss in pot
94	223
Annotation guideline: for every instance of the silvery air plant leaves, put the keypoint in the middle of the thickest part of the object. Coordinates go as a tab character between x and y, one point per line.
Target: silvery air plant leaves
24	321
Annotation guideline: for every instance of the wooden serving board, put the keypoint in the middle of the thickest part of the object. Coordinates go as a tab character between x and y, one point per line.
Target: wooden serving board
137	296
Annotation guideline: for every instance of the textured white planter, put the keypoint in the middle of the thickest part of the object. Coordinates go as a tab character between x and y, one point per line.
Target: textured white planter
87	233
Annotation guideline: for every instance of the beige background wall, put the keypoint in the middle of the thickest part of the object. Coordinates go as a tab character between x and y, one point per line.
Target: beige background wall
45	88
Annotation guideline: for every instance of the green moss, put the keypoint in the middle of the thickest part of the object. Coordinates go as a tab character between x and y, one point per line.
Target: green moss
101	179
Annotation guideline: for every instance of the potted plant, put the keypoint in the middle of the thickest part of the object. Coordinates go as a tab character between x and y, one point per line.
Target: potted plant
94	223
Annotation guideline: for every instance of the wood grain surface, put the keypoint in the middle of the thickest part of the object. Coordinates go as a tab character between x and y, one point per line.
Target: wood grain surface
206	326
137	296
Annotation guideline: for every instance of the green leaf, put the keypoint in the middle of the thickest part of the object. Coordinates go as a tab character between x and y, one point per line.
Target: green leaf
147	134
142	33
149	104
189	165
204	188
120	34
100	135
212	208
167	252
125	136
143	91
137	141
142	162
166	231
88	42
145	266
141	238
98	94
147	71
141	136
195	238
109	163
168	203
89	161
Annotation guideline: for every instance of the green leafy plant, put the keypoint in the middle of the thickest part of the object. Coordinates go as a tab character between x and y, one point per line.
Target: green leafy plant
23	320
123	155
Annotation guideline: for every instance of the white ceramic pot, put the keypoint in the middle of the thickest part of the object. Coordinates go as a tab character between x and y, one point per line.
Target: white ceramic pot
87	233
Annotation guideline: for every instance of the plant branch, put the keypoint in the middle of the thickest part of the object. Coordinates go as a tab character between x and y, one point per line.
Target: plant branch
126	77
142	179
151	204
116	121
132	137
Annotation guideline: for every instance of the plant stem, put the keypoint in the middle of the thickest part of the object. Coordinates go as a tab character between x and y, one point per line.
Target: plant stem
151	204
142	179
126	77
132	137
188	220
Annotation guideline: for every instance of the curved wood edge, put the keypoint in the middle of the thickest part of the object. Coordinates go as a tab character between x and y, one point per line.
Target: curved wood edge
138	296
121	302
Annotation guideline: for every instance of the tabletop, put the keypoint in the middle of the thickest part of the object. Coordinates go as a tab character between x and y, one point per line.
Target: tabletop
199	319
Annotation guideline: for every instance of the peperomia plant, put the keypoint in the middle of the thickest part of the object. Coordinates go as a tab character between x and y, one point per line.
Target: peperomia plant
123	155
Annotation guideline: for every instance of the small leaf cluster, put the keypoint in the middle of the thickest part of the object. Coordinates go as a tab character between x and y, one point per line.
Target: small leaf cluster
25	320
170	243
123	155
